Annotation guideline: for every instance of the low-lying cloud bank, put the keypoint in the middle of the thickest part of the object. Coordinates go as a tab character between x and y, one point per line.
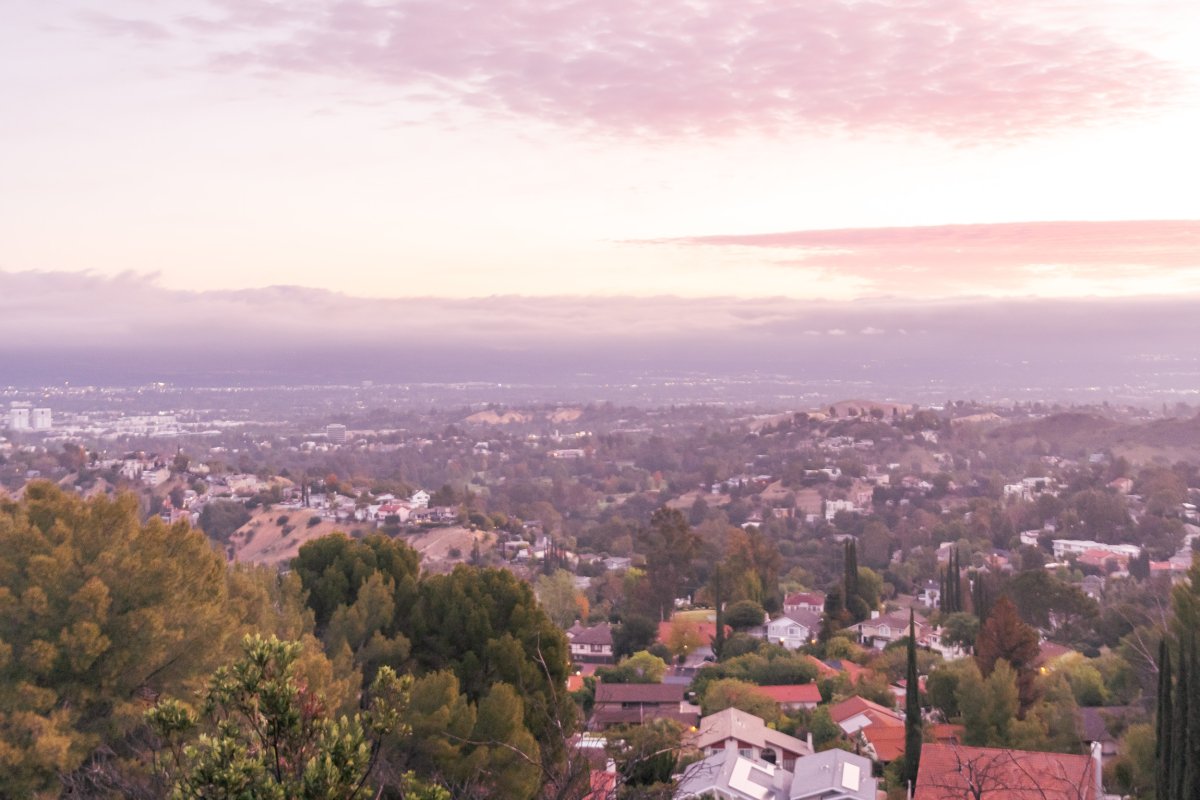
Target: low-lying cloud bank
84	327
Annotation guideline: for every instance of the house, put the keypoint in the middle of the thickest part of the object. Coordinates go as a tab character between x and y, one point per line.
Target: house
1095	725
419	499
952	772
879	730
880	631
739	732
831	775
794	696
804	601
634	703
592	645
794	629
615	563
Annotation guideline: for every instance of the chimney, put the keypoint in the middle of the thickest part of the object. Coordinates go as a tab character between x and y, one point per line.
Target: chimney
1098	766
875	614
811	749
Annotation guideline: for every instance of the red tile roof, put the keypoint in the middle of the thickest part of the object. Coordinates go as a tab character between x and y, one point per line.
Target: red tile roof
860	705
952	772
794	693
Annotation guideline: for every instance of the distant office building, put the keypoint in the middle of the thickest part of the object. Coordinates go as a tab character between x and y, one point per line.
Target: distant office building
18	416
41	421
336	433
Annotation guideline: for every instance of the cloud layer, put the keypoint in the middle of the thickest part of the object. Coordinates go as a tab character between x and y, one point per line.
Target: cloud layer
1140	256
962	69
80	327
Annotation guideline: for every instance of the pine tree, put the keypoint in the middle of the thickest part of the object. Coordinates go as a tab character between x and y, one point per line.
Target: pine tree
912	709
1164	729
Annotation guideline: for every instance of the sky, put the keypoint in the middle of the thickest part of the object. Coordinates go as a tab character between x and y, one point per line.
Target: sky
818	151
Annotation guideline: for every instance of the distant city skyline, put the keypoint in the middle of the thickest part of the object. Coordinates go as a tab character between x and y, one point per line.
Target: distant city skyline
817	150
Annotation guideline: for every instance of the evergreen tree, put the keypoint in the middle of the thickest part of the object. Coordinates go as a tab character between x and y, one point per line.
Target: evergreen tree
1164	726
1180	747
912	709
1191	757
1005	637
850	561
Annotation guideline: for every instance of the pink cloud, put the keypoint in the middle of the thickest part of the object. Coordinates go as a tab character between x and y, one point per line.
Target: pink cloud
957	68
984	258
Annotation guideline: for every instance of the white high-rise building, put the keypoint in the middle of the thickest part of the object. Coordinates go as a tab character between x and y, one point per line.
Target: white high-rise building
336	433
18	416
41	420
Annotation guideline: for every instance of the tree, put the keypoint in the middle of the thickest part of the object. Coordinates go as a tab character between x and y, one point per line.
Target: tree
1004	637
641	667
559	597
1164	726
333	568
732	693
988	706
683	637
634	633
744	614
670	546
96	610
912	709
645	754
270	737
221	518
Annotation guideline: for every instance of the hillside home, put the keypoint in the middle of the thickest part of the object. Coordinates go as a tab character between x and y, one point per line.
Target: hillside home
739	732
634	703
831	775
794	629
952	772
592	645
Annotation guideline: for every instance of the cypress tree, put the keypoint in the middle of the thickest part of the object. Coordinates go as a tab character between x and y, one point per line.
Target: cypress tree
1164	727
942	590
912	710
1191	758
1180	746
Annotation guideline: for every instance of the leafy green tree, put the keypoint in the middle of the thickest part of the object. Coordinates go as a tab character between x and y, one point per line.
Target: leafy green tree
988	706
96	611
486	626
641	667
732	693
333	568
744	614
269	737
559	597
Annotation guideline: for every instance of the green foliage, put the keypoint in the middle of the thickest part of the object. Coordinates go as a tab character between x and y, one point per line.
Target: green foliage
1004	637
635	632
769	666
645	754
744	614
333	568
1086	682
221	518
268	736
641	667
95	608
732	693
486	626
988	707
559	597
